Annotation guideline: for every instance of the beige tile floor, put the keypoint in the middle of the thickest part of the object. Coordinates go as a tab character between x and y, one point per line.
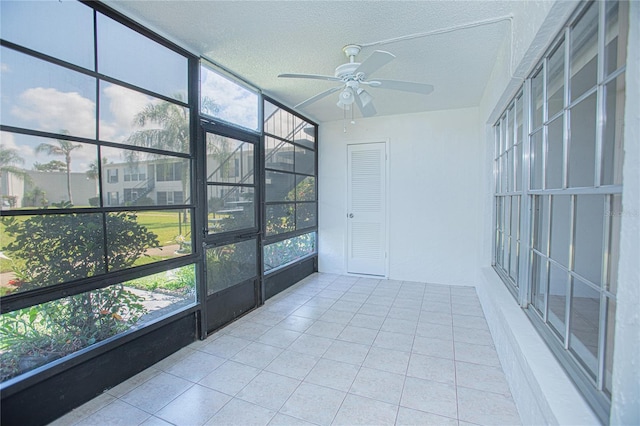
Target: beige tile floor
334	350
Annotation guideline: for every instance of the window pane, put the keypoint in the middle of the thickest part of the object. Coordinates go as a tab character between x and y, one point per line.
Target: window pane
555	81
557	298
582	145
617	29
34	172
229	160
519	120
305	215
230	264
50	249
509	170
133	118
609	345
612	142
515	236
536	100
279	154
517	154
305	161
278	122
554	154
287	251
35	336
280	219
60	29
585	325
560	228
129	56
156	175
223	98
538	283
280	186
305	134
541	223
584	52
614	213
39	95
230	208
305	188
138	238
536	160
589	228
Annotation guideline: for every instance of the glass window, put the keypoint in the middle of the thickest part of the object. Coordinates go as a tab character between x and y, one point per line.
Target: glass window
280	186
129	56
555	81
612	153
584	52
62	29
39	95
279	154
582	144
306	215
287	251
133	118
555	159
230	208
229	160
225	99
230	264
32	337
280	218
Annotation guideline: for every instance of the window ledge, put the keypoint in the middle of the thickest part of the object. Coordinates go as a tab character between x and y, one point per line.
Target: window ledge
543	392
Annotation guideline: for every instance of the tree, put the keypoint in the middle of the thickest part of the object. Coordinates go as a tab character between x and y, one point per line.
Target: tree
51	166
9	161
63	148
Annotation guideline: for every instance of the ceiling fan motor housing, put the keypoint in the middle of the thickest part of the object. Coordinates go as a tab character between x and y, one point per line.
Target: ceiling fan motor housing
344	71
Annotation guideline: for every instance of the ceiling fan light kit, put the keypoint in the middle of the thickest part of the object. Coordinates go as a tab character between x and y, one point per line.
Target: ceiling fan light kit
353	75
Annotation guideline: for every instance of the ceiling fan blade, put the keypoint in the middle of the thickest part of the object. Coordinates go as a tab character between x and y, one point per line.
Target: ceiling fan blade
365	104
310	76
374	62
405	86
318	97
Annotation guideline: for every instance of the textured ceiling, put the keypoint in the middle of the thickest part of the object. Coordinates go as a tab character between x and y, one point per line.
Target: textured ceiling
258	40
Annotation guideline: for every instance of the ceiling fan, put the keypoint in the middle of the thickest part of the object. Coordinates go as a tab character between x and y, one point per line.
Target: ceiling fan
354	75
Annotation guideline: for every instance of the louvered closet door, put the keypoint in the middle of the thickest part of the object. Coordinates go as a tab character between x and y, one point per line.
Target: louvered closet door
366	209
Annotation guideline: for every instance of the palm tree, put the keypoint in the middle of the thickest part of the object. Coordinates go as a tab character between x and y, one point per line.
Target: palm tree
9	161
64	148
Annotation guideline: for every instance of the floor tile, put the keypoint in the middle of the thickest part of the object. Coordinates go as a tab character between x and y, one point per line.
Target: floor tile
325	329
369	308
443	307
155	421
486	408
377	299
431	317
402	326
387	360
333	374
315	404
472	335
295	323
470	322
477	354
433	347
482	377
396	341
364	336
432	397
346	306
249	330
194	407
292	364
269	390
311	345
116	413
195	366
309	311
268	318
379	385
257	355
279	337
338	316
156	392
432	368
411	417
367	321
175	357
225	346
352	353
132	383
357	410
230	377
284	420
462	309
351	296
320	302
84	410
242	413
435	331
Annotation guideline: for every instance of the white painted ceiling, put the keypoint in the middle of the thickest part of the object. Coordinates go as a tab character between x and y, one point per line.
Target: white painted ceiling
258	40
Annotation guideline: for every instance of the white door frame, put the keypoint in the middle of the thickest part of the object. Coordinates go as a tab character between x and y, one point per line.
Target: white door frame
384	141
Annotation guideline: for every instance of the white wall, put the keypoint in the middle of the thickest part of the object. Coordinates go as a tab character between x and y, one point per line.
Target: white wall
434	195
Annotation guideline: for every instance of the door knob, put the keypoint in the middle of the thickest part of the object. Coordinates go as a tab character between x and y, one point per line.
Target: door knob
350	215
